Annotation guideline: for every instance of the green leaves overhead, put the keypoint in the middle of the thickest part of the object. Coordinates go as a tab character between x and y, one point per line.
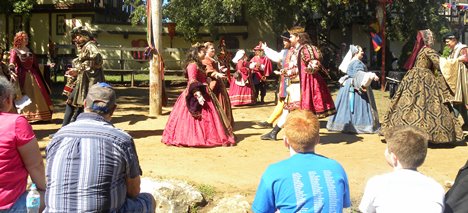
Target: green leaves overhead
21	7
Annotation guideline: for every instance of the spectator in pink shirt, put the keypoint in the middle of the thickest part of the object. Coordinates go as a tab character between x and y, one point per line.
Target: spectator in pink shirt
19	155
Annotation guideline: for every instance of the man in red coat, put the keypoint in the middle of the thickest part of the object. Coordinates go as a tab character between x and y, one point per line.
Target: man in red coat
261	68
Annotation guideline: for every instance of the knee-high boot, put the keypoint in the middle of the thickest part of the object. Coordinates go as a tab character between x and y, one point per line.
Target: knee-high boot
272	134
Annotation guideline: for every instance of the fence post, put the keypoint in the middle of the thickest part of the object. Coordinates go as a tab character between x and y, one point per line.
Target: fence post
121	62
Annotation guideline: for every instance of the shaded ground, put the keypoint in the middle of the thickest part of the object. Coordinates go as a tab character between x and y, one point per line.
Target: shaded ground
237	170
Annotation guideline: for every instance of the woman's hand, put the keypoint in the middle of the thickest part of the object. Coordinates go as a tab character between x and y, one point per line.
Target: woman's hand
199	97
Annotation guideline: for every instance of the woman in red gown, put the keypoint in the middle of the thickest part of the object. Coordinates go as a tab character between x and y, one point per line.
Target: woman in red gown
241	89
196	119
31	82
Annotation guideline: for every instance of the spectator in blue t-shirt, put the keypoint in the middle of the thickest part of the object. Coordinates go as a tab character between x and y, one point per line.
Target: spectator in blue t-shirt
305	182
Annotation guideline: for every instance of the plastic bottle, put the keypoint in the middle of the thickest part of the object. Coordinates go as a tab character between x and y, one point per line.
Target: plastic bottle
33	199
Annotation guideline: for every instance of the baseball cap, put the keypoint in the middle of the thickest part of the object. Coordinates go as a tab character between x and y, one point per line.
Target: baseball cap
101	98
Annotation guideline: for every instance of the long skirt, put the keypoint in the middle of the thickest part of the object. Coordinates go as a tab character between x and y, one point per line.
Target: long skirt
422	100
356	112
182	129
41	106
241	95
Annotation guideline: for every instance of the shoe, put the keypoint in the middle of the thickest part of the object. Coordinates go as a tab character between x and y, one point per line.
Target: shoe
265	124
271	135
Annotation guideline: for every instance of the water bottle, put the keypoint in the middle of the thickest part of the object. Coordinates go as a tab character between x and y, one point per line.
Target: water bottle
33	199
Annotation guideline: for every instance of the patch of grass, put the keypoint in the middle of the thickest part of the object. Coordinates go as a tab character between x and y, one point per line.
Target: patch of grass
207	191
140	77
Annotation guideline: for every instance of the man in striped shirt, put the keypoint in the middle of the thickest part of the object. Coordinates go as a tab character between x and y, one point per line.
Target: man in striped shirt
93	166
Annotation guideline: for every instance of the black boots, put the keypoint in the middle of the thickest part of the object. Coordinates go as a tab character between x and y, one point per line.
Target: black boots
265	124
271	135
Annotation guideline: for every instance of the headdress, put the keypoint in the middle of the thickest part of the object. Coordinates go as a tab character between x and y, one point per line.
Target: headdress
422	39
353	49
239	55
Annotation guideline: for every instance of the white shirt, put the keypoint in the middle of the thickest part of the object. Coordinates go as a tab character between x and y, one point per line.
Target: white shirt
402	191
273	55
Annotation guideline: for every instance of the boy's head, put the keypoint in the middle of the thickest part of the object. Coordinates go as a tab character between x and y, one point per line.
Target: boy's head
302	130
407	145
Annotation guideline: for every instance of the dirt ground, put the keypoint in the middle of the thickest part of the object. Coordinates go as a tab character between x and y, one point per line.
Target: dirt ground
237	170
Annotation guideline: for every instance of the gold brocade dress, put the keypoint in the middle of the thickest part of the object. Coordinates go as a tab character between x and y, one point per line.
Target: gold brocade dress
422	100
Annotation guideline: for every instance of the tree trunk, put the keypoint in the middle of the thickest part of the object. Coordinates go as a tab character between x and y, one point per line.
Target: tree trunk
155	93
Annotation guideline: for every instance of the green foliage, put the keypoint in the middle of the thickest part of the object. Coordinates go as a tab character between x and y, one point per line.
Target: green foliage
190	16
21	7
138	15
446	51
406	18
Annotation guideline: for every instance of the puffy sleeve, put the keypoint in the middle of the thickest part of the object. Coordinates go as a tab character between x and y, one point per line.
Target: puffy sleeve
307	55
90	59
13	57
433	56
209	66
464	52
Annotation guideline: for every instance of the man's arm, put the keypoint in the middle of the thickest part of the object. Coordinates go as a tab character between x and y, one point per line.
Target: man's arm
133	186
133	171
273	55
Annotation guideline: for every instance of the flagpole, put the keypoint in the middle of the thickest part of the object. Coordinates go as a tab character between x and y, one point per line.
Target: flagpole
383	49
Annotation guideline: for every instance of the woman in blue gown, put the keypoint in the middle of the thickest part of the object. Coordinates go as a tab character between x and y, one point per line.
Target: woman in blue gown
355	104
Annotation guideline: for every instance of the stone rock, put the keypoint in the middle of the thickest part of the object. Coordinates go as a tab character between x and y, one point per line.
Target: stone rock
234	204
172	196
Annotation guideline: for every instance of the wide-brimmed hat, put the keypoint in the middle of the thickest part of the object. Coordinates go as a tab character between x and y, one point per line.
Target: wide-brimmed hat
238	56
101	98
81	30
286	35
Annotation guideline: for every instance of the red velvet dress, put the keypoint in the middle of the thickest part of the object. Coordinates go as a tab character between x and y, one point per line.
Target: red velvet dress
32	84
182	129
238	94
315	95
